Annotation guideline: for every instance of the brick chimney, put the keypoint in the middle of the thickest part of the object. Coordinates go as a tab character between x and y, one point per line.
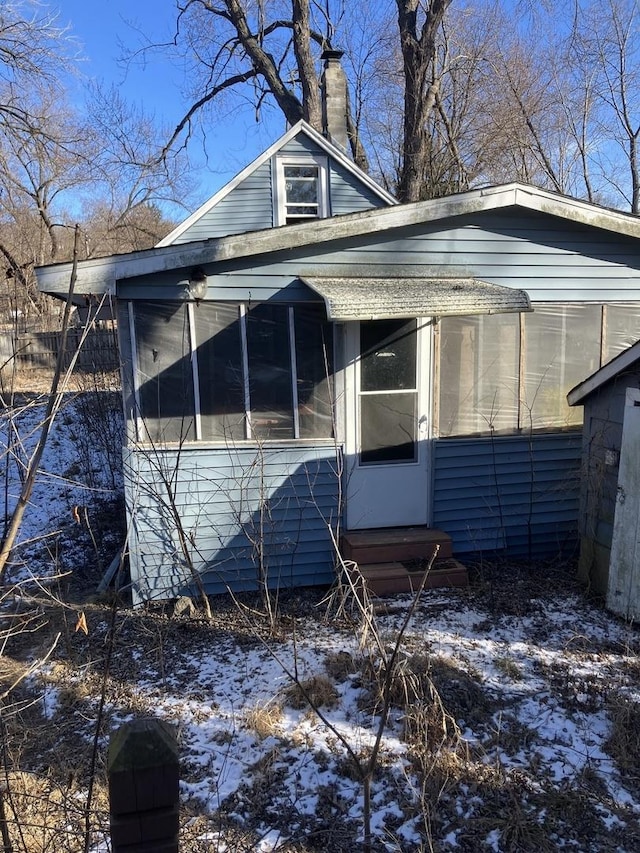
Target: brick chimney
334	99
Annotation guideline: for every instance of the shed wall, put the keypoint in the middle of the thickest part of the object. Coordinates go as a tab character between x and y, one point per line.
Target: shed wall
602	438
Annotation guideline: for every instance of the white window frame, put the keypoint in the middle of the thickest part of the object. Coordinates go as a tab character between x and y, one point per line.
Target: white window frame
279	191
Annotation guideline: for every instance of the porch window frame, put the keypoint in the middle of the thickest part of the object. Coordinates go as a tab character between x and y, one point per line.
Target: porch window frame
138	419
521	330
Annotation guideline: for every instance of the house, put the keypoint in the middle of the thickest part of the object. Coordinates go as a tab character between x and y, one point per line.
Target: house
377	368
609	516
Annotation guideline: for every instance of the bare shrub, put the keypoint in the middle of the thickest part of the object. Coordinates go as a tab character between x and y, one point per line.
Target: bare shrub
340	665
43	816
624	742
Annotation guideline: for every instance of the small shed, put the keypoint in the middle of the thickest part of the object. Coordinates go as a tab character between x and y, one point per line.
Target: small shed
609	499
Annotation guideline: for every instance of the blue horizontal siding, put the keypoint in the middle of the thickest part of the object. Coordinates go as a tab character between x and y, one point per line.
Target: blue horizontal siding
227	500
246	208
517	494
562	264
301	145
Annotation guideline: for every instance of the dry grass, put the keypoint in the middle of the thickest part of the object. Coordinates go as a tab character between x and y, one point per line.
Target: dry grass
46	817
317	691
340	665
264	719
453	787
507	666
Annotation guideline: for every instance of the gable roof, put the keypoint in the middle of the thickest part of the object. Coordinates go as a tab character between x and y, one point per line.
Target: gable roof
609	371
99	275
300	128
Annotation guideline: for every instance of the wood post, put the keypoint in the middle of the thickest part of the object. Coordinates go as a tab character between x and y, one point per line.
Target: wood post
143	775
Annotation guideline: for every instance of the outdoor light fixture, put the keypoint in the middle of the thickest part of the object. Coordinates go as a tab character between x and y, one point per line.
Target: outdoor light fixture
196	286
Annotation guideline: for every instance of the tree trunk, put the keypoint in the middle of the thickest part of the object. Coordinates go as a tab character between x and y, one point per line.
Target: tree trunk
264	64
418	50
311	104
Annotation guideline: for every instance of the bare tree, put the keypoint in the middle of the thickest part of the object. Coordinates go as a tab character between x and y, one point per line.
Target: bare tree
33	49
419	24
605	48
266	54
59	165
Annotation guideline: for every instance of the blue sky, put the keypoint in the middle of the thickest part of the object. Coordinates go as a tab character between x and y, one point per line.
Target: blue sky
102	29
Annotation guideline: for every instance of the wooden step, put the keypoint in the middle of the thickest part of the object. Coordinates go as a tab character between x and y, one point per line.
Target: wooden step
393	577
394	544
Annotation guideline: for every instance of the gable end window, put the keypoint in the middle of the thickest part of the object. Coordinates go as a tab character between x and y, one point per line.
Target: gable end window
301	189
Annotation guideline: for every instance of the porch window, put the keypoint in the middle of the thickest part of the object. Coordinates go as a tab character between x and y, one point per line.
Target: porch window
511	373
269	372
231	372
164	383
220	373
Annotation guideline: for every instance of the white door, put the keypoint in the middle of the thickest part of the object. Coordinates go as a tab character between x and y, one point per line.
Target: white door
623	592
387	425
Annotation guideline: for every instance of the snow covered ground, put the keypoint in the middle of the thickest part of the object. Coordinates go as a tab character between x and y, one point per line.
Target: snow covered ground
513	725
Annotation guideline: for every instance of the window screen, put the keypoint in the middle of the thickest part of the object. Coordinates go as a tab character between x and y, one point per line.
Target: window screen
270	388
263	371
507	372
479	359
220	370
561	348
622	329
165	378
314	369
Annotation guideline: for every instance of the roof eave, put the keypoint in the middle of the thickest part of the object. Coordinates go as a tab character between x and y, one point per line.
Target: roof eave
578	394
100	275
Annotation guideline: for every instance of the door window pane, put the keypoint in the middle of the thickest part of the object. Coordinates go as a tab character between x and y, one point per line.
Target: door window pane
387	355
388	395
165	377
388	427
271	399
220	371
